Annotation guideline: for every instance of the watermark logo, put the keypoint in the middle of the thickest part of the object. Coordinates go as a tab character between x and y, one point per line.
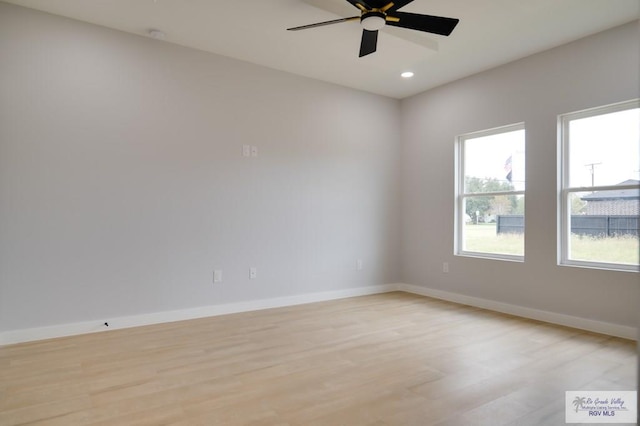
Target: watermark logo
601	406
579	402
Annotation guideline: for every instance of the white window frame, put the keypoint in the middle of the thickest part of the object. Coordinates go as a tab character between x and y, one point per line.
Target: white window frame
565	190
460	194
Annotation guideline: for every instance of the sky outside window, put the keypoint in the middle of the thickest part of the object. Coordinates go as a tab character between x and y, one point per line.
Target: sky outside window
494	156
607	145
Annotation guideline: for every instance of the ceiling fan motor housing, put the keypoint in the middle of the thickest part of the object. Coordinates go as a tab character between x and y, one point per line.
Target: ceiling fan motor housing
373	20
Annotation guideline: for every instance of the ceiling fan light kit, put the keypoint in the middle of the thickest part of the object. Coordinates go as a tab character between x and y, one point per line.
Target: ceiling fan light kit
375	14
373	21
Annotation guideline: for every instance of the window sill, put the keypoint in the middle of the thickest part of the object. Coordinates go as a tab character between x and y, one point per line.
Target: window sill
492	256
614	267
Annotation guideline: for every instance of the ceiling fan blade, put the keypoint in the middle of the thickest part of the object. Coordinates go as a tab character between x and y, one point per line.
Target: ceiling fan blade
369	42
427	23
360	4
322	24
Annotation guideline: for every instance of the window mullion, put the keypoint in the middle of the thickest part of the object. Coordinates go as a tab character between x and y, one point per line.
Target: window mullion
492	194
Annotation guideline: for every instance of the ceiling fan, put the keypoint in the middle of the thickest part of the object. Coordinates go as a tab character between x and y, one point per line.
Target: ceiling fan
375	14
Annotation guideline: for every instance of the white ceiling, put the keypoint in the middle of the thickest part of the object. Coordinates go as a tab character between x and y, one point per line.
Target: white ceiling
490	33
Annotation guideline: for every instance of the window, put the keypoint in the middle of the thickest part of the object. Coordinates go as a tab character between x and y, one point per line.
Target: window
599	187
490	193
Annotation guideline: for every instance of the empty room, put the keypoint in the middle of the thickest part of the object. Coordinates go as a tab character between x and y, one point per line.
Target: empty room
319	212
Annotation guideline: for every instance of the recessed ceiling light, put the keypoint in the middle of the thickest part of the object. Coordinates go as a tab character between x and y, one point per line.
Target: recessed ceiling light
157	34
406	74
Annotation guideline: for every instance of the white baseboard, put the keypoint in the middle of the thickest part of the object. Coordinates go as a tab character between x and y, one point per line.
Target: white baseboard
610	329
40	333
71	329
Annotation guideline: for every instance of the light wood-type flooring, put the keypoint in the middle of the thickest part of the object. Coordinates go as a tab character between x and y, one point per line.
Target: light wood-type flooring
387	359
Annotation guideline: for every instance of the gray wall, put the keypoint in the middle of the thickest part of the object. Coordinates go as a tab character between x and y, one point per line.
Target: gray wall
122	183
594	71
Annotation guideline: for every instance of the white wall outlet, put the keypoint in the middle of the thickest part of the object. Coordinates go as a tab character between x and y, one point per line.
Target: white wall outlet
254	151
359	264
253	273
445	267
217	275
246	150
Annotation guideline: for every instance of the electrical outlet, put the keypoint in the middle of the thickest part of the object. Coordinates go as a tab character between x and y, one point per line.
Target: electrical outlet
217	276
246	150
445	267
254	151
253	273
359	264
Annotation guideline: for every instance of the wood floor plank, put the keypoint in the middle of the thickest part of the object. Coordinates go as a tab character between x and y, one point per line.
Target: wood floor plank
388	359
